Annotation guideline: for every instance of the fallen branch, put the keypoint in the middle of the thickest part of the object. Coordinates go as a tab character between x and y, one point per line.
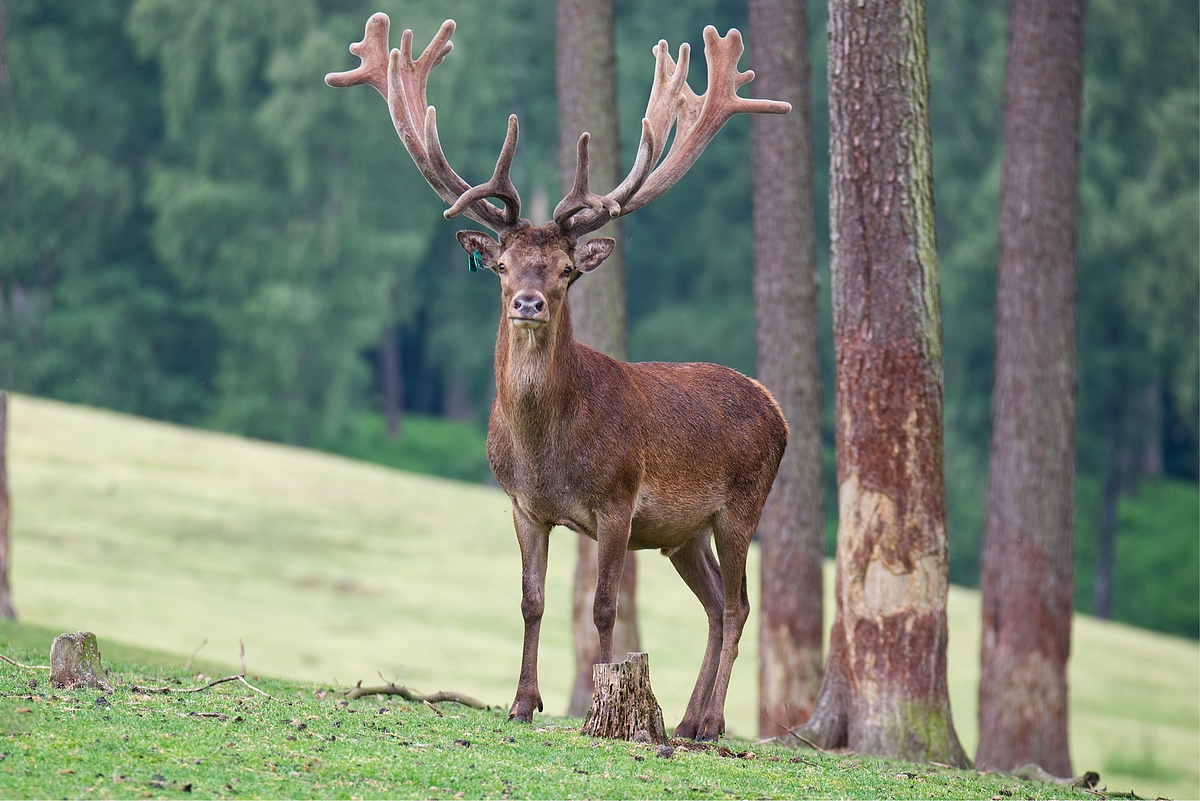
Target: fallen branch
411	695
797	735
1032	772
27	667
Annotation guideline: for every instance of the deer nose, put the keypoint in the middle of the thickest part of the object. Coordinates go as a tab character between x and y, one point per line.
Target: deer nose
528	304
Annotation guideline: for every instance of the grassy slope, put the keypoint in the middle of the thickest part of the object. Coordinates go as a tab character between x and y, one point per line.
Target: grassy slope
305	742
331	569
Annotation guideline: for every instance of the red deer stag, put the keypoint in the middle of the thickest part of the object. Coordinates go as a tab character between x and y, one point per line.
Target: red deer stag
654	455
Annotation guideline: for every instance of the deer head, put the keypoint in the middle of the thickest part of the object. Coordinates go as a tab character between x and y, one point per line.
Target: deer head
537	265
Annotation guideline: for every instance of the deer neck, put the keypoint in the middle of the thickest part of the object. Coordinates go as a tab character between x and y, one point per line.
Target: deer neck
537	373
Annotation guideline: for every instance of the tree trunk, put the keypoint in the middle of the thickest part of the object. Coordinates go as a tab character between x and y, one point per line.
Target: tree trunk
884	691
393	382
792	529
587	101
6	607
1106	545
5	80
1027	578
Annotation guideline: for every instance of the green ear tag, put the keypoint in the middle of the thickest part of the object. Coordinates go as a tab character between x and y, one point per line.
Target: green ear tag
475	261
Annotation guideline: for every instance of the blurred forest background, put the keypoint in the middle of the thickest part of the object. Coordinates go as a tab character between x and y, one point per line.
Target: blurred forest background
194	228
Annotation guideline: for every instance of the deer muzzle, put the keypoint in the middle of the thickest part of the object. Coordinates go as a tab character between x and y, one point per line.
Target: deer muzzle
529	310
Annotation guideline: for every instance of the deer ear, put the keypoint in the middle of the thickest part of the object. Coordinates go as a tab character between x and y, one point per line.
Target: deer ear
592	253
478	241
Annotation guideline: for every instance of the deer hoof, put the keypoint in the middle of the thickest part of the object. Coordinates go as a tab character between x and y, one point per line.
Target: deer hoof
710	730
686	730
522	709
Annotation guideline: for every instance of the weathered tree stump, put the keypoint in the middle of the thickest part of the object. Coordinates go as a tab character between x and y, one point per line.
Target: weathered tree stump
623	705
75	662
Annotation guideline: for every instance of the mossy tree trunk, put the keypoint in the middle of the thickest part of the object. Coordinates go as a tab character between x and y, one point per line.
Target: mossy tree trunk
1029	536
6	607
587	101
792	529
884	692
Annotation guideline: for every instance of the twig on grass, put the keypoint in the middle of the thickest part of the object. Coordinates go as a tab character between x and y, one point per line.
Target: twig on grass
188	664
806	741
433	709
795	734
236	677
392	688
27	667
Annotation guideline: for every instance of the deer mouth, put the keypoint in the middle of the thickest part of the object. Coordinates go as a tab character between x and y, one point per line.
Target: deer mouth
527	323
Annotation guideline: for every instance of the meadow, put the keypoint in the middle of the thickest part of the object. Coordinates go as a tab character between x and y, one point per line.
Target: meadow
333	571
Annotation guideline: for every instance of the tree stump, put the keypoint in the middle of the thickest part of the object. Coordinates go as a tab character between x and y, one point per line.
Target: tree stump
75	662
623	705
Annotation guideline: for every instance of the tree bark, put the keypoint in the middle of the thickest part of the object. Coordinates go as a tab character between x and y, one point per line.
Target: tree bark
587	101
884	691
6	607
1027	577
792	529
393	382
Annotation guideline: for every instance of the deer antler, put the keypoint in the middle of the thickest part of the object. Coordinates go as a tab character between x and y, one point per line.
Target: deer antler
696	118
402	82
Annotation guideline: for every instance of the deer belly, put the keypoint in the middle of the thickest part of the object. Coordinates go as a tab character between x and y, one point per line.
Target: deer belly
669	523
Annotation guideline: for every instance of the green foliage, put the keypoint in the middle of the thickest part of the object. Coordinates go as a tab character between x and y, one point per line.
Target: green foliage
431	445
307	741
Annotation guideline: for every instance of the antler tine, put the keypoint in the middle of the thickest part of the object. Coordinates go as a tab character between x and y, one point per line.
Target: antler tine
666	97
581	197
372	52
500	186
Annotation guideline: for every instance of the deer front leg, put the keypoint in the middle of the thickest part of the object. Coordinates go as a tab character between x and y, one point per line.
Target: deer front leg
534	540
612	541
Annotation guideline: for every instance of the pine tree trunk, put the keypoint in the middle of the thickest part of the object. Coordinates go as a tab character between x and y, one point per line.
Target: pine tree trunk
792	528
393	386
1027	576
6	607
1106	545
884	691
587	101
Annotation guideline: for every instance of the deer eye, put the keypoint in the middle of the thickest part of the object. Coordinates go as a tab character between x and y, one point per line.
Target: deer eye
501	268
566	273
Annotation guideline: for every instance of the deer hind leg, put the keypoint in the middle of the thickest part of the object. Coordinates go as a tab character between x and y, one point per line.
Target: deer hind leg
534	541
698	568
733	541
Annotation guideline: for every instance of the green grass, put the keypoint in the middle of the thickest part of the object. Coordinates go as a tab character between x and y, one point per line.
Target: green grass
333	570
308	742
